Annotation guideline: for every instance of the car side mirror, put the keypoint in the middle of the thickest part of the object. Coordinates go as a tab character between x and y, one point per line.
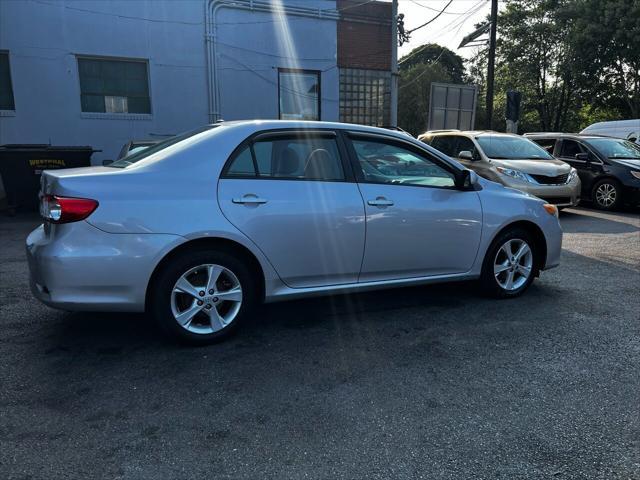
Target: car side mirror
582	156
464	180
106	162
465	155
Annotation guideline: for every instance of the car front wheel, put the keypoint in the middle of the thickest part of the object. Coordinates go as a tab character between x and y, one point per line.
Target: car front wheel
203	296
607	194
509	265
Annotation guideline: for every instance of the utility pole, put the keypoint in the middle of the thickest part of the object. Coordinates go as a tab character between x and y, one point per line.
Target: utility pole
393	120
492	61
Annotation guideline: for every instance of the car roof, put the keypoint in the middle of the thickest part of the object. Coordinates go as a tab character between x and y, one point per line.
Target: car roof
259	125
633	122
467	133
566	135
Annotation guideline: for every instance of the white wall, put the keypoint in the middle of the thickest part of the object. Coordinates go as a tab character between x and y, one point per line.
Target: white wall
44	36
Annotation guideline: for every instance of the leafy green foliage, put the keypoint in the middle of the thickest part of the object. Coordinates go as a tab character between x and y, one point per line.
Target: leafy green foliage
605	41
575	61
414	90
432	53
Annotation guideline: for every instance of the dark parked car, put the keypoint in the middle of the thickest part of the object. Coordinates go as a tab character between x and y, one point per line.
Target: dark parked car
608	167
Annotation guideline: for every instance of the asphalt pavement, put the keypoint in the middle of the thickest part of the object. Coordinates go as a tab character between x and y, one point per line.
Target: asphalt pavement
433	382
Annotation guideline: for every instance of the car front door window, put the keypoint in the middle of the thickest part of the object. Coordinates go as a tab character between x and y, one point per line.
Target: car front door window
570	148
466	144
382	162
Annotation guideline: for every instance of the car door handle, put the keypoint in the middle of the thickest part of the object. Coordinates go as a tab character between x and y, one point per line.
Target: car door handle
380	202
248	199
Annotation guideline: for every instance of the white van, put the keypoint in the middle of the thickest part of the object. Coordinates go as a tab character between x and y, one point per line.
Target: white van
627	129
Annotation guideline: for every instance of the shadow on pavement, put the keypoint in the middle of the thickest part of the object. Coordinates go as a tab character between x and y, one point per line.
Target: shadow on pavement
573	221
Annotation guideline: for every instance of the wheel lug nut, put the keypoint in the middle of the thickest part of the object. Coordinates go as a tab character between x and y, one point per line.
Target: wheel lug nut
208	306
215	299
200	302
201	293
211	292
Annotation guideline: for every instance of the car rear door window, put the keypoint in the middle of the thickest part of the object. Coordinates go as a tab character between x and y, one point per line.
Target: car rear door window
295	157
242	165
547	143
570	148
446	144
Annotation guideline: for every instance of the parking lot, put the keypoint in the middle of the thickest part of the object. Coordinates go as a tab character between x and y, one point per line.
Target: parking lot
429	382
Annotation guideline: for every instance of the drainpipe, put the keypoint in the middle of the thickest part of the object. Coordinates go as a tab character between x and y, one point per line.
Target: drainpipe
394	64
212	7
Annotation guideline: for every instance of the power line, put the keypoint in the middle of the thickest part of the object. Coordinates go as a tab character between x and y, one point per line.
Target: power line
461	21
433	19
435	9
466	15
470	12
425	71
350	6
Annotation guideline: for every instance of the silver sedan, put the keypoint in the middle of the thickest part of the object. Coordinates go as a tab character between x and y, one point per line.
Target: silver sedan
200	229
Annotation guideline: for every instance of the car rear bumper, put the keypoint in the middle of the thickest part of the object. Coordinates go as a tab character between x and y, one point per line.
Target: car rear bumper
79	267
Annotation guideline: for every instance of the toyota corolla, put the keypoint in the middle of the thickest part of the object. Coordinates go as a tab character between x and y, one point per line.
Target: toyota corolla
200	229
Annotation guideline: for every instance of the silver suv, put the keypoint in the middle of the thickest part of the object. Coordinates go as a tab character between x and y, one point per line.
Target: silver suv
511	160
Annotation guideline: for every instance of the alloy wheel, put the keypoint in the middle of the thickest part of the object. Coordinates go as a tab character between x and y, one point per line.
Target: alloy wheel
606	195
206	299
513	264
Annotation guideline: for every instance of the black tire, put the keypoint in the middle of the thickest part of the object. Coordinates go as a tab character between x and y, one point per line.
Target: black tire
601	203
160	296
488	281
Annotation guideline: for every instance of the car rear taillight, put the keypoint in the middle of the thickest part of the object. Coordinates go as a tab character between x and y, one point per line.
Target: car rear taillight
66	209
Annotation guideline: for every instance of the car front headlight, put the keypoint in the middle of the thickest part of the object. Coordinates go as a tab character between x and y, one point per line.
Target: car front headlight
572	174
636	173
525	177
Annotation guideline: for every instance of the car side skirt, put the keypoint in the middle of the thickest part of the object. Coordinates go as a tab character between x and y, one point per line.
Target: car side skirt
286	293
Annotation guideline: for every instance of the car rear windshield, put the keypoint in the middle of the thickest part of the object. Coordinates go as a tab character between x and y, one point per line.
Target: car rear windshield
615	148
137	156
511	148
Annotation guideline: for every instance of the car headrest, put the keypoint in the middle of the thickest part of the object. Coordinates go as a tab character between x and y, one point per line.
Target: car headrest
287	164
320	164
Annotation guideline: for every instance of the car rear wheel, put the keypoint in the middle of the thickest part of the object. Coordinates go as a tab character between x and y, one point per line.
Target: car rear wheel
607	194
203	296
509	266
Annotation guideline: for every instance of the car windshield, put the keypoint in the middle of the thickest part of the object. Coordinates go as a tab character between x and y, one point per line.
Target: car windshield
504	147
134	157
615	148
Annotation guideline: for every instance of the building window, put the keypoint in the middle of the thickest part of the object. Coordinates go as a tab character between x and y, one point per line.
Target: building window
114	86
365	96
6	89
299	94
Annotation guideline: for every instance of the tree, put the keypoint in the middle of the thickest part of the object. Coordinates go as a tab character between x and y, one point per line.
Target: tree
605	43
414	89
533	56
575	62
432	53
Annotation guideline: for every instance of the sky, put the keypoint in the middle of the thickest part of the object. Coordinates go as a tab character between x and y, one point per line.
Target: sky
448	29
